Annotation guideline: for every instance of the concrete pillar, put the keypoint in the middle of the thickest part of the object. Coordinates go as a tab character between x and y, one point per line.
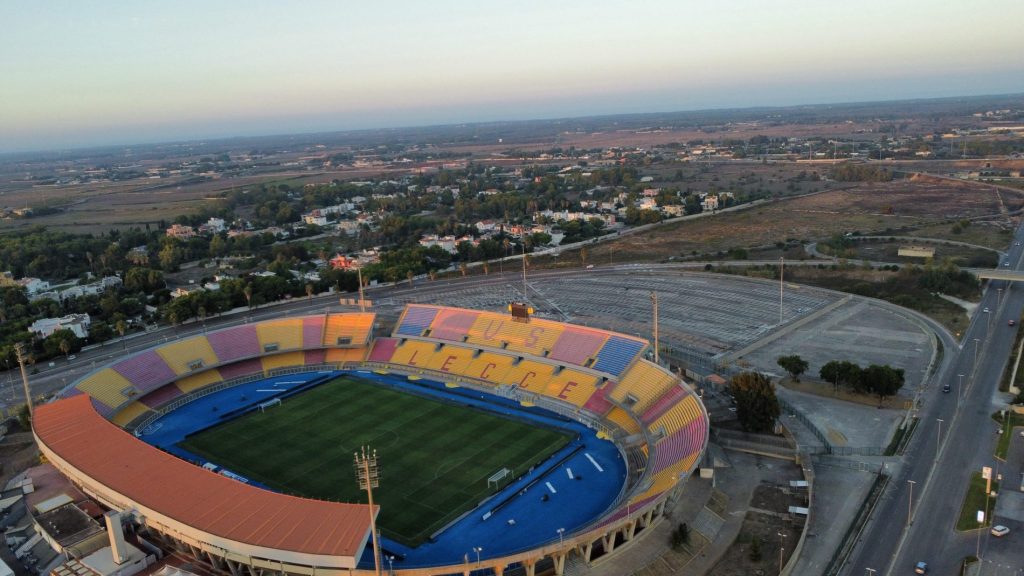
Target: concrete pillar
531	567
586	550
629	530
660	508
252	570
215	561
648	518
559	564
609	542
196	552
233	567
499	569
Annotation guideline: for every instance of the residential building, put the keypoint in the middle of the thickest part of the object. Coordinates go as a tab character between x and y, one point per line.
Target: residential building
77	323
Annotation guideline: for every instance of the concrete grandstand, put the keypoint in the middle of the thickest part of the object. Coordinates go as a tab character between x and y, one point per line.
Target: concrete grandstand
113	433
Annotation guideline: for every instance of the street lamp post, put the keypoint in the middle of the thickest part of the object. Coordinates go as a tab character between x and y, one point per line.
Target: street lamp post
910	502
782	549
975	367
959	389
560	531
870	571
478	550
938	439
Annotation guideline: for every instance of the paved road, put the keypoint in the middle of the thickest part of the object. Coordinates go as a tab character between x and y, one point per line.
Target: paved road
968	437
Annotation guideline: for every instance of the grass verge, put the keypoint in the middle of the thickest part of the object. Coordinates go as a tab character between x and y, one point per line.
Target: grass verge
975	500
1007	425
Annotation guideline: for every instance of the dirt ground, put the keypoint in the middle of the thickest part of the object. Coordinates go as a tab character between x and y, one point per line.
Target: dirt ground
878	208
769	522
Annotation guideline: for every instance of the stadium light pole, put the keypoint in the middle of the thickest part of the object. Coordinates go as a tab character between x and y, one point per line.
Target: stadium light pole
478	550
560	531
19	350
362	301
654	304
368	473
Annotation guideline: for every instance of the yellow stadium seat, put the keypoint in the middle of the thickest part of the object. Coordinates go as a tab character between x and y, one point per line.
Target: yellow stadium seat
355	327
414	353
571	386
684	412
283	360
129	413
644	381
184	355
623	420
490	366
106	386
197	381
338	355
453	359
529	375
500	331
286	333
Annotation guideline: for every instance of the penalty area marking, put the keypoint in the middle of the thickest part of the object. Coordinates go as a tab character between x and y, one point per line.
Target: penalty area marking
594	462
550	487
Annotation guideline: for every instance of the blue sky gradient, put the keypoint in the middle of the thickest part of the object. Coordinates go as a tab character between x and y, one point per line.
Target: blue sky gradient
82	73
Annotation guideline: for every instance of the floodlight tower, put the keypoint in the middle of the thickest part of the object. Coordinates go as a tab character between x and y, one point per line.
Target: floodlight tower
654	304
19	350
368	473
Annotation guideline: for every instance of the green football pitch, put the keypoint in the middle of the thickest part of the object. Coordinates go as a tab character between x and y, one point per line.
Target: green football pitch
435	457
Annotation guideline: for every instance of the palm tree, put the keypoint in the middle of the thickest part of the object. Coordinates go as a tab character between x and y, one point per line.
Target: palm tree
409	275
202	317
583	257
65	348
487	267
247	291
309	292
121	328
463	268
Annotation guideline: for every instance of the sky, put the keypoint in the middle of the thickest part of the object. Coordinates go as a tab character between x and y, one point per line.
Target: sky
83	73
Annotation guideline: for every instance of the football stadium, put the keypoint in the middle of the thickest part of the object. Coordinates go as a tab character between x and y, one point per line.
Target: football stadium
489	442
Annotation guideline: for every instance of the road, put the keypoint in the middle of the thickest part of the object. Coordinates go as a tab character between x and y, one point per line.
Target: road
928	486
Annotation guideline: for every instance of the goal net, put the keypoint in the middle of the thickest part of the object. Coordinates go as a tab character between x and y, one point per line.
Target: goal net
498	477
269	404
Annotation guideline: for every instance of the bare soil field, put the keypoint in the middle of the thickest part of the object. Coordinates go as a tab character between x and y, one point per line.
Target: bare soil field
875	208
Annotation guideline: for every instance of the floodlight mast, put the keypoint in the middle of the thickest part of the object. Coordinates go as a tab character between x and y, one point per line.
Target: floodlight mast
368	474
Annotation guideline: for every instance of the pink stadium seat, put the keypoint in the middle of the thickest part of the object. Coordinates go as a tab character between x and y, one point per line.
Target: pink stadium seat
161	396
576	345
597	403
667	401
312	331
102	408
383	349
243	368
679	445
146	371
453	324
235	343
315	356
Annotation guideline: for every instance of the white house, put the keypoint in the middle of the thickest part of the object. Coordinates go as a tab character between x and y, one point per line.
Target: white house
77	323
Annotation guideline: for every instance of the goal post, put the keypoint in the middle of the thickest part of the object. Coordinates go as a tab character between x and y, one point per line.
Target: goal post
269	404
498	477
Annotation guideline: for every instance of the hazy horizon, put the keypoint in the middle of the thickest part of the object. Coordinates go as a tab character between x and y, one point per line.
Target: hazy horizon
120	74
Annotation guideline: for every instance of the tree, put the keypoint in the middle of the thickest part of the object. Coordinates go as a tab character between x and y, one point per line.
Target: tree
121	327
757	408
841	373
882	380
309	292
247	291
24	417
793	364
583	257
755	549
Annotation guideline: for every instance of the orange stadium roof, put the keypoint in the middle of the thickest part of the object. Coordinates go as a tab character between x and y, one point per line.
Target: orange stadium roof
206	501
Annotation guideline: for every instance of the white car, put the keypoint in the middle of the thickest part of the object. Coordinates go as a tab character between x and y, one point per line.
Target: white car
1000	531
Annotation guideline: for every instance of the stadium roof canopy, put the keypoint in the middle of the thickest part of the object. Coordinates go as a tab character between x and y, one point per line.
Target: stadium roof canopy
128	474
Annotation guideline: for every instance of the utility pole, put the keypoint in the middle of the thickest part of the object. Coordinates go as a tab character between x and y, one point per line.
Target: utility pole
910	502
654	302
19	350
368	473
782	271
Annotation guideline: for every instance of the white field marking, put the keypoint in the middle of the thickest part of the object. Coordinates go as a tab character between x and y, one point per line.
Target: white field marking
552	488
594	462
569	472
